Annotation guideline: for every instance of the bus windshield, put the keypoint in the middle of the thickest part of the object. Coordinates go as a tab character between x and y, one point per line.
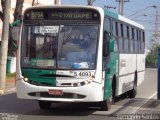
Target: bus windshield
59	46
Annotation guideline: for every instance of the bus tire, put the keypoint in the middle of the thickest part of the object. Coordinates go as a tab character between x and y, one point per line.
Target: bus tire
44	105
105	105
113	89
132	93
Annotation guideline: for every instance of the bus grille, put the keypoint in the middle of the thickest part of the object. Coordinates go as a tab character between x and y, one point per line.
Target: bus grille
41	84
65	95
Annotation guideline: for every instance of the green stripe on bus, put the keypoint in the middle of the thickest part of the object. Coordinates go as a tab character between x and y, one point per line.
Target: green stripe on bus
40	76
109	73
110	14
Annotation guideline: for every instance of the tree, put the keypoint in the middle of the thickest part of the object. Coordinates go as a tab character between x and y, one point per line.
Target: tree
17	16
152	57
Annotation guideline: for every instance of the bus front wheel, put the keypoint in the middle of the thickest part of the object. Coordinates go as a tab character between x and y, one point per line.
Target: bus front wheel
44	104
105	105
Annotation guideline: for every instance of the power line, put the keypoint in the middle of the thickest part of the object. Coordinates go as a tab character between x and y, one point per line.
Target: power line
75	2
137	12
109	7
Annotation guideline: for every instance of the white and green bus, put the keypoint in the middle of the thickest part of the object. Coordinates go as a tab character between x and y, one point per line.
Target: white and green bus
78	54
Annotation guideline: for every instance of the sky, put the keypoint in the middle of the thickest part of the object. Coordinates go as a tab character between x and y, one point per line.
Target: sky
140	7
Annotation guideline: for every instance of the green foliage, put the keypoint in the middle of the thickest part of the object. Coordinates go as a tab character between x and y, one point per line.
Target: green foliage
152	57
151	60
10	75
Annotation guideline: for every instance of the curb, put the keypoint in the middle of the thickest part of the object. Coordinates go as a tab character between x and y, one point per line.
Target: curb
7	91
1	91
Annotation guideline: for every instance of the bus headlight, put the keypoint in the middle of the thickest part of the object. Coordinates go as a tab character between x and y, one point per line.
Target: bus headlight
26	79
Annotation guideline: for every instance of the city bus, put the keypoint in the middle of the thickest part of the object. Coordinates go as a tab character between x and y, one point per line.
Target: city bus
78	54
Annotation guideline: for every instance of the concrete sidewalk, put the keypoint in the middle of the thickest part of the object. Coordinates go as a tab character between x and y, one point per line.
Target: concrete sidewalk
10	86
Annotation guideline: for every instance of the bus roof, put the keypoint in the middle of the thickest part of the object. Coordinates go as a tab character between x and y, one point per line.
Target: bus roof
106	12
64	6
122	18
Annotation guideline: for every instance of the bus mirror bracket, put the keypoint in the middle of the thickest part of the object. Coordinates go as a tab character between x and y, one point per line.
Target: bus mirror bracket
16	23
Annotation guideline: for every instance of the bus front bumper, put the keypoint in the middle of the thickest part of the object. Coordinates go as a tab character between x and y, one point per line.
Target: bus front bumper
92	92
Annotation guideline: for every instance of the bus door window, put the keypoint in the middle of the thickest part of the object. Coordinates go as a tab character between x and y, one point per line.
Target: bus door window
107	34
106	38
105	49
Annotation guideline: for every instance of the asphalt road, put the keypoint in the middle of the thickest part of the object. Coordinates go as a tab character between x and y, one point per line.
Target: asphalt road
148	88
12	108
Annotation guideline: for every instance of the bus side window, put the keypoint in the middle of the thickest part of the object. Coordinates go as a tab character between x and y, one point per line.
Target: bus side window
107	25
120	35
143	42
135	41
126	40
138	43
115	34
132	41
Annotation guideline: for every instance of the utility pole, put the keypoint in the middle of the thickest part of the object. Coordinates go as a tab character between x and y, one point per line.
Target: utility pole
121	6
33	2
4	45
156	35
57	2
156	25
90	2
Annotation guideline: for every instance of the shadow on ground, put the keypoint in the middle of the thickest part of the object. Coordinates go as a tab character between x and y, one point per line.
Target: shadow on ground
10	104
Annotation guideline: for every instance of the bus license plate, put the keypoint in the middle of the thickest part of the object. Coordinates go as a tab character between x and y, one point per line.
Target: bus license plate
55	92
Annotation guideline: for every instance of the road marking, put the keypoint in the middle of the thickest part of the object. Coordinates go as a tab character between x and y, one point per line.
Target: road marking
121	109
152	69
152	95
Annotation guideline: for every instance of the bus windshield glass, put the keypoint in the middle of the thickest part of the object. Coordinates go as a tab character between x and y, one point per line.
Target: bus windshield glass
59	46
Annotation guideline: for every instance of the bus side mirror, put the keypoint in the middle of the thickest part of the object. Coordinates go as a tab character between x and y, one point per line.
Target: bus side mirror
111	45
15	36
16	26
16	23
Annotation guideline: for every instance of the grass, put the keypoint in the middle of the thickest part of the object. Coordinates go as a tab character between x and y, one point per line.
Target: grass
10	75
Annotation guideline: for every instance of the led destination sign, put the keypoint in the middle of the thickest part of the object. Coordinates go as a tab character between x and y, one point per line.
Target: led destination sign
62	14
37	15
71	15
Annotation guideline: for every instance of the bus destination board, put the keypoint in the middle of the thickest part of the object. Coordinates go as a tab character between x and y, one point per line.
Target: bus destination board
62	14
37	15
71	15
